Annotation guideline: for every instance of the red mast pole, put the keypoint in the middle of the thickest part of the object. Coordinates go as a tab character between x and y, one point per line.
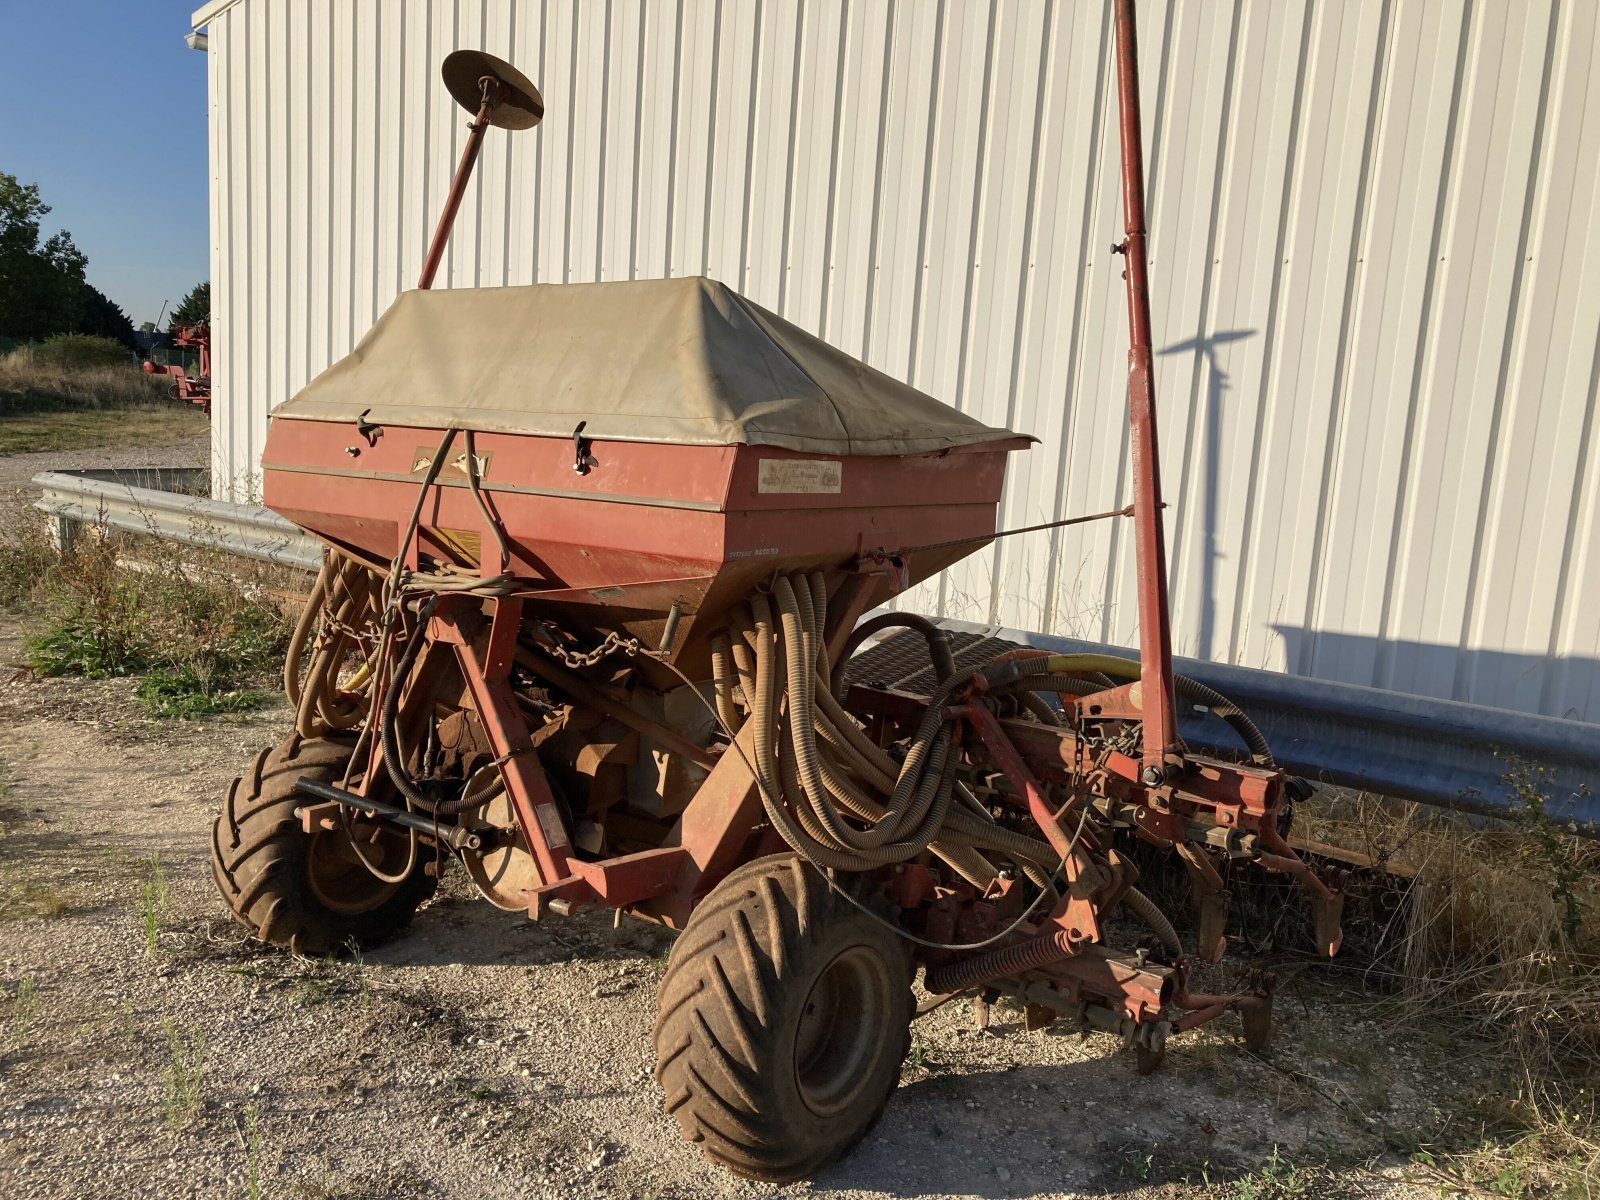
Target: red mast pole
493	92
1155	626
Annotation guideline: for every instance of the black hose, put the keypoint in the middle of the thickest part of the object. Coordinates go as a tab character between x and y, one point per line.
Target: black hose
944	659
1220	705
1154	920
387	735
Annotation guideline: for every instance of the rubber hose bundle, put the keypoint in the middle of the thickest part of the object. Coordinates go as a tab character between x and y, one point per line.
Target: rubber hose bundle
341	605
850	805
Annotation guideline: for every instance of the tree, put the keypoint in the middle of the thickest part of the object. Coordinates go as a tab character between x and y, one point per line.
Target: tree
41	286
104	318
193	308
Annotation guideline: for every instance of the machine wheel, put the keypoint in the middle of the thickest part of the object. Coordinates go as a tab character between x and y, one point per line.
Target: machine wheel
307	892
784	1016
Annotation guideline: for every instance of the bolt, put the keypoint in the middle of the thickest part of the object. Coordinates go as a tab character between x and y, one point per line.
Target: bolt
1153	776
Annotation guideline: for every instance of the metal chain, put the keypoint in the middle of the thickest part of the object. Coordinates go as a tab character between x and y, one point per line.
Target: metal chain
612	645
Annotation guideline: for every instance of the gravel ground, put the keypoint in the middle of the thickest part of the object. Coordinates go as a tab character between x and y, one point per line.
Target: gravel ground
148	1049
481	1055
18	470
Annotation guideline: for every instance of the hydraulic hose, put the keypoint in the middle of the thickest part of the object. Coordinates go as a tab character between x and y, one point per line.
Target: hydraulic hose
302	630
938	640
835	777
1154	919
339	605
723	681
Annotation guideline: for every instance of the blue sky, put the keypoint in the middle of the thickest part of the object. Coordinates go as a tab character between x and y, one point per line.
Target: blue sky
104	107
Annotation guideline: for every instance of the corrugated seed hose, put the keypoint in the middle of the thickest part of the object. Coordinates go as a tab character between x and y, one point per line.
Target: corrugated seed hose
849	805
341	603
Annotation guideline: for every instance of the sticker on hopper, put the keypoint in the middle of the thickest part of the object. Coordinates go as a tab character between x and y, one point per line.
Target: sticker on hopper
800	476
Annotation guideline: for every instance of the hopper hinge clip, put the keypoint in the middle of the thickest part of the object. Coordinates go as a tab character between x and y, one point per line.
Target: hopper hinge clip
582	460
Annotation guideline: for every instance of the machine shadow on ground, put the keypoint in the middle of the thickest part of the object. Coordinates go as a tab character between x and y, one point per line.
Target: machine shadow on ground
458	930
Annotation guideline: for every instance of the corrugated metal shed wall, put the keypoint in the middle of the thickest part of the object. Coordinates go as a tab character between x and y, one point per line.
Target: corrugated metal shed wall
1377	299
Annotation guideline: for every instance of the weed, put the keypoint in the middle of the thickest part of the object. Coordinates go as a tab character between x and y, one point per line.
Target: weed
154	903
252	1133
183	1096
1551	847
358	971
127	1023
182	694
27	549
1276	1180
477	1090
1497	938
30	898
152	921
94	626
22	1009
200	625
158	882
326	980
922	1059
1139	1169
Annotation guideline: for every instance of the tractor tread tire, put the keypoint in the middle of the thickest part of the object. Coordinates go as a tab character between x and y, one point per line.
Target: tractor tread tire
259	854
725	1037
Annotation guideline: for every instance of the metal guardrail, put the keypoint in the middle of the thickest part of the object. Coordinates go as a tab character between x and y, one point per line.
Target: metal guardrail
1438	752
126	500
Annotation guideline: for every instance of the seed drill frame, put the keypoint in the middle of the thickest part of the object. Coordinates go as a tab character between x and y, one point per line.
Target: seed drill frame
491	588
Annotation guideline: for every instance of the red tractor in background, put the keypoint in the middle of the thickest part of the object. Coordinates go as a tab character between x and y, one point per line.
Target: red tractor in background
196	388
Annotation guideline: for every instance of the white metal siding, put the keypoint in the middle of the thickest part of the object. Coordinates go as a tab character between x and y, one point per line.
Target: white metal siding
1376	297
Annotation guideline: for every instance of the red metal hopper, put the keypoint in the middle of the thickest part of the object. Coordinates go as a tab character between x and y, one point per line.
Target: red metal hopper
652	450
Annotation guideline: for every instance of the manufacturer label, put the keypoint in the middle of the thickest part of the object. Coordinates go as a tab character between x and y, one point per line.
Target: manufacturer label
798	476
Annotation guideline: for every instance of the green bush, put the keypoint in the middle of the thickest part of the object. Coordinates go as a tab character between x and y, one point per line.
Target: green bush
198	625
82	350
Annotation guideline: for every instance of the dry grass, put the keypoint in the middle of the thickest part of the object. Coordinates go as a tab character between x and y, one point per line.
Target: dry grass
1498	937
30	382
47	404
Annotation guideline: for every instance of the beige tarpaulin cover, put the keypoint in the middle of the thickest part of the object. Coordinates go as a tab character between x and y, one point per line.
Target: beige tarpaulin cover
671	360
